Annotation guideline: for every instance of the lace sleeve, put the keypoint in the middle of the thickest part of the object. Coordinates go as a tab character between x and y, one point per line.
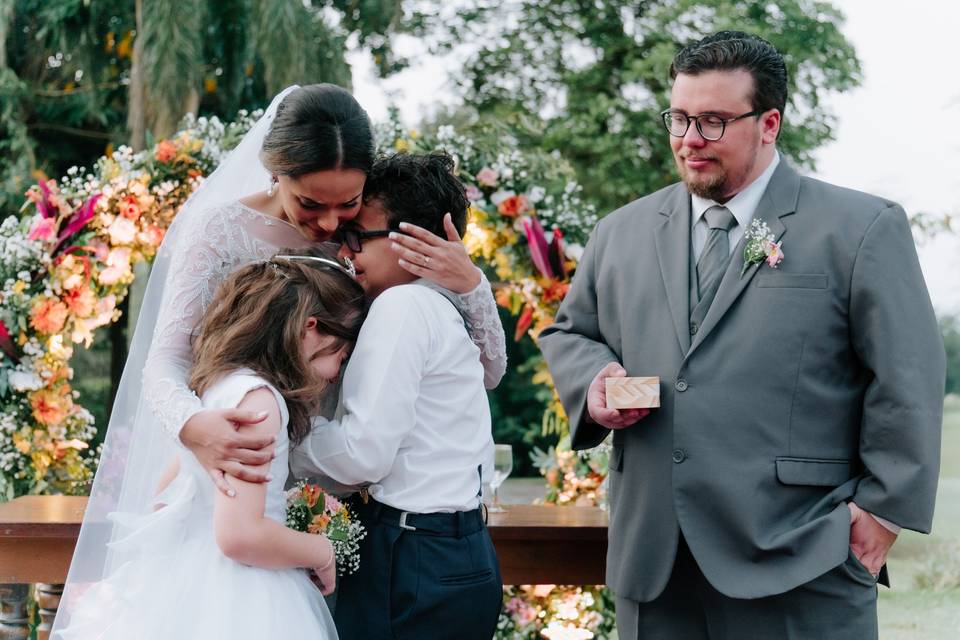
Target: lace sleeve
486	330
195	272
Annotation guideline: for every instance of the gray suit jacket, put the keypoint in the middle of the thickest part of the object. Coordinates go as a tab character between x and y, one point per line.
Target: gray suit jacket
806	386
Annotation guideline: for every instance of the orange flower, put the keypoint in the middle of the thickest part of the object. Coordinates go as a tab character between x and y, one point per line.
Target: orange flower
555	291
81	301
165	151
48	315
513	206
311	494
51	407
504	297
319	524
129	208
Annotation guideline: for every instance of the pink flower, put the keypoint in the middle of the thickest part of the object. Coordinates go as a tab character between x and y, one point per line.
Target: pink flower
100	250
487	177
474	194
43	229
774	253
331	504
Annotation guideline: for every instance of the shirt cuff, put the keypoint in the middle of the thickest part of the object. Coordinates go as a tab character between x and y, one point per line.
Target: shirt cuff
886	524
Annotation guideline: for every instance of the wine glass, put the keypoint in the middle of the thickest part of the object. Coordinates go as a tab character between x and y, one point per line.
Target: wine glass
502	466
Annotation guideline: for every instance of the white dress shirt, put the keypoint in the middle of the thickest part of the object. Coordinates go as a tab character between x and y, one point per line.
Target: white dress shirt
743	206
416	423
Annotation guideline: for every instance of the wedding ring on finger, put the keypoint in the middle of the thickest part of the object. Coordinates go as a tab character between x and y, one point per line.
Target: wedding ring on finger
426	261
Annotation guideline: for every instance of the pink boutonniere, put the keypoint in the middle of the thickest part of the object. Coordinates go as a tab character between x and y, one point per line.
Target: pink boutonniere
760	247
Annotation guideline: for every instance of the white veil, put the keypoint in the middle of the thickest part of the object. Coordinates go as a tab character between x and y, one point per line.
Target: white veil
136	449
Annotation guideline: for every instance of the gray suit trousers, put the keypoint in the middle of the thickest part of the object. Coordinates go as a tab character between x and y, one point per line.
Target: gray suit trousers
839	605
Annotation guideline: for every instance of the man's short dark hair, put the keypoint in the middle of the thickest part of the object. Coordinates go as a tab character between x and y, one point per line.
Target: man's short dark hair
419	189
732	50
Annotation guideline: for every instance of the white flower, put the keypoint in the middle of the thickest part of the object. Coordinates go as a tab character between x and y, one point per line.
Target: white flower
25	380
574	251
536	194
499	196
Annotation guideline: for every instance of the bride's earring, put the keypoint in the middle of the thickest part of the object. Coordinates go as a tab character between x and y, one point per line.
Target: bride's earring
272	189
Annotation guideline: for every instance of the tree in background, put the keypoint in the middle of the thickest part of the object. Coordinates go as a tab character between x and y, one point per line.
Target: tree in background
79	77
589	78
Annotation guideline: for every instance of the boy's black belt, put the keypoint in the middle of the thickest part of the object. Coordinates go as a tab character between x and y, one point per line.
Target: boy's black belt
455	524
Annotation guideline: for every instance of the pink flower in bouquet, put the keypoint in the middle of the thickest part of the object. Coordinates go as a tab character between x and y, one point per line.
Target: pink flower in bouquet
122	231
152	235
166	151
100	250
487	177
331	504
43	229
48	315
129	208
774	253
521	611
118	266
474	194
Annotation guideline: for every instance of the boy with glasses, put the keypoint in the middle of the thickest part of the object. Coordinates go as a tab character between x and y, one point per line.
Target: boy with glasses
415	429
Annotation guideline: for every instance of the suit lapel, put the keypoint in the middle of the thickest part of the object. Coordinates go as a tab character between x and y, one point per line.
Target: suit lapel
779	200
672	240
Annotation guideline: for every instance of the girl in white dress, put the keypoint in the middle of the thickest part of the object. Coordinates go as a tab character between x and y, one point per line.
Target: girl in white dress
198	563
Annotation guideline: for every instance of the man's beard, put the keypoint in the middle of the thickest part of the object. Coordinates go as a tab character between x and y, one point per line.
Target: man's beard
720	187
709	187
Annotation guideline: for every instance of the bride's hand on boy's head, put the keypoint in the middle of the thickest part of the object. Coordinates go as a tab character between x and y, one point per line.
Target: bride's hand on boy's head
445	262
215	438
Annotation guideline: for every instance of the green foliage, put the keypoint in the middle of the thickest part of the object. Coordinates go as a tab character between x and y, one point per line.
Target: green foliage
595	75
67	82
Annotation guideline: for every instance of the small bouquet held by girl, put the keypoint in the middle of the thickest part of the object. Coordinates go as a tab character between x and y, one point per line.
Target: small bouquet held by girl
310	509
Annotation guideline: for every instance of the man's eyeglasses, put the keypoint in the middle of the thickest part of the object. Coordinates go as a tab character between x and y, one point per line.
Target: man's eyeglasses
710	125
354	237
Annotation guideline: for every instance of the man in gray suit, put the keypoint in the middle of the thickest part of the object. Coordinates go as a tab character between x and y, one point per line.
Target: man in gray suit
801	390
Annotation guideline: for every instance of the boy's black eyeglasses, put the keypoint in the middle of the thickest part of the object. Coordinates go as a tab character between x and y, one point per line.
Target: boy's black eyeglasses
354	237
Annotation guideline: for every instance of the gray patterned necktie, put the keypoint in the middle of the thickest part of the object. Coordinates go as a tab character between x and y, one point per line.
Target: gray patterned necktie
713	259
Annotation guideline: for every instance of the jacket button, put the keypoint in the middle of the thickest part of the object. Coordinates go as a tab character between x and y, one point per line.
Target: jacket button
681	385
679	456
694	327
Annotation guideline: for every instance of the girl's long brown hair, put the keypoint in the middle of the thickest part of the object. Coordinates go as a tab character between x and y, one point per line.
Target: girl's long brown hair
256	321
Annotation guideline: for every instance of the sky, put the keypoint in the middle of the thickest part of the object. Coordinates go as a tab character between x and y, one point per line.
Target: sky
893	137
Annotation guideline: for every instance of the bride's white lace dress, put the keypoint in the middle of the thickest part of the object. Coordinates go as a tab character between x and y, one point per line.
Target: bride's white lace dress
178	584
219	241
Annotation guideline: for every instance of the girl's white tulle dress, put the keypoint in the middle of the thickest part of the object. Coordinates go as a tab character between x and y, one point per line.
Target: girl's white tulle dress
178	584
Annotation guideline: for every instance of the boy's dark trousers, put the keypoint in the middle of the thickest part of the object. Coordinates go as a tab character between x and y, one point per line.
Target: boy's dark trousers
423	576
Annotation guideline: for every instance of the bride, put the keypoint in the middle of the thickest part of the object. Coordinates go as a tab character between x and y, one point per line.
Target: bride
312	150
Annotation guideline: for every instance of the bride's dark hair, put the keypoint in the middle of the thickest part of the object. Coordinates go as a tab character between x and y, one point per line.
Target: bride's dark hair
256	321
318	127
